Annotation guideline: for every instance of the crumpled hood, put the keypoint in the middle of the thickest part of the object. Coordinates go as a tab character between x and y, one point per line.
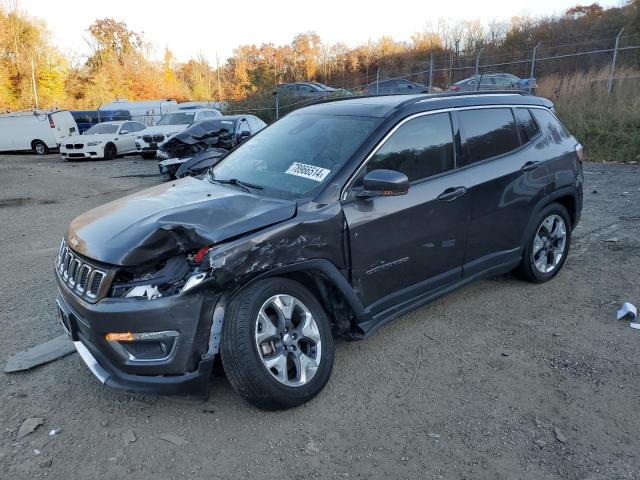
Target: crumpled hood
169	219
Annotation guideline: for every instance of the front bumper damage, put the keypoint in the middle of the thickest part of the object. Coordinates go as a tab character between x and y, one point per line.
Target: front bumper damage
185	372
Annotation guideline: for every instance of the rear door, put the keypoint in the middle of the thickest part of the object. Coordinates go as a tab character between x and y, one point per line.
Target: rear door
63	125
507	178
403	246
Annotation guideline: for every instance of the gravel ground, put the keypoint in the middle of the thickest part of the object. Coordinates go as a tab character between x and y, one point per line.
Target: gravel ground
499	380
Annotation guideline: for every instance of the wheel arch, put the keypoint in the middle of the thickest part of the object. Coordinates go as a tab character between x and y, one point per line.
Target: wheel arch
325	281
38	140
567	197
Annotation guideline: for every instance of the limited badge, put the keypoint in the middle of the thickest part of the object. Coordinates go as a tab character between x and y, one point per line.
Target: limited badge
308	171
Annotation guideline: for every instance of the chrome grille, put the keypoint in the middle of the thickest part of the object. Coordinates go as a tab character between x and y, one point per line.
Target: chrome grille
84	279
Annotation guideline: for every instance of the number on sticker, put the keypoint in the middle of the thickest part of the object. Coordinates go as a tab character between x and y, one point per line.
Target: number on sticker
308	171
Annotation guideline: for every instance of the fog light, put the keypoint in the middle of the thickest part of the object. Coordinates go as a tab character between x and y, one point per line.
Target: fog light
145	346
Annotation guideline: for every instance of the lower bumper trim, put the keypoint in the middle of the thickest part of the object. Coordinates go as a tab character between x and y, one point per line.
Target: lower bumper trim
91	362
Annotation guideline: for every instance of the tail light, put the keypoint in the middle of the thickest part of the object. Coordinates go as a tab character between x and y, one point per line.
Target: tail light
454	88
580	152
52	124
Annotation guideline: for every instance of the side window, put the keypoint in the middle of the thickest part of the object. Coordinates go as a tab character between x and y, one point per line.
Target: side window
527	125
244	127
139	127
420	148
128	126
550	125
489	132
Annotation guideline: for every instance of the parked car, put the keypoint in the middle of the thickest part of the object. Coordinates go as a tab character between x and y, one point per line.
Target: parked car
222	134
309	90
493	81
85	119
105	140
170	124
334	220
395	86
38	131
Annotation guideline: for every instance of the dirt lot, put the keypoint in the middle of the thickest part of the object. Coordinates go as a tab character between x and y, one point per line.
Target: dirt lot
472	386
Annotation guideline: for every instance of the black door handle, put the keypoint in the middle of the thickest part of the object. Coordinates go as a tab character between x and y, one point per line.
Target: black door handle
452	193
530	165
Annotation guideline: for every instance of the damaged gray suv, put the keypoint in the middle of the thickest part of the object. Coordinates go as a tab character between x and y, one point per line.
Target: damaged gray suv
333	221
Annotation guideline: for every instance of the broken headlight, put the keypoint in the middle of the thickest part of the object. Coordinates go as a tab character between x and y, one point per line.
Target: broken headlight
176	275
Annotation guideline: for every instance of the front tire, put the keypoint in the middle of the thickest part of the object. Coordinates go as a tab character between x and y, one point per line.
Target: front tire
548	246
149	155
110	151
277	349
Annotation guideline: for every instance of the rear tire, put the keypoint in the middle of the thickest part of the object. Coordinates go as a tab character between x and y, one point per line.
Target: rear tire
277	349
548	245
39	147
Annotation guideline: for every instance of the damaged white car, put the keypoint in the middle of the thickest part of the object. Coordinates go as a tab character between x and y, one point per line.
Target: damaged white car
105	140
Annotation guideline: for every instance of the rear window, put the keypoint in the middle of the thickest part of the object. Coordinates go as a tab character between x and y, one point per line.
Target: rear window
489	132
527	125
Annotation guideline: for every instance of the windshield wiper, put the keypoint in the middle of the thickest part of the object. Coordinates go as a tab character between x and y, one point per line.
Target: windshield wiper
234	181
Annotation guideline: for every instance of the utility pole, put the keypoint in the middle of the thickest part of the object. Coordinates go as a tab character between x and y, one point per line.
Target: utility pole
33	81
613	63
378	80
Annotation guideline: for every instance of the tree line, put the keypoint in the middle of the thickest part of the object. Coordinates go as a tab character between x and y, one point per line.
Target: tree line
120	63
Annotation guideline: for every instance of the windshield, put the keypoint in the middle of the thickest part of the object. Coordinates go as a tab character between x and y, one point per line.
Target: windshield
297	154
177	118
102	128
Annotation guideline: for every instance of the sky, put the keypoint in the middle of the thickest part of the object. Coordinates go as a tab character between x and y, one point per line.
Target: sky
191	27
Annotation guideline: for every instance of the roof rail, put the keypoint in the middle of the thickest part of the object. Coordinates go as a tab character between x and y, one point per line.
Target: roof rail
423	96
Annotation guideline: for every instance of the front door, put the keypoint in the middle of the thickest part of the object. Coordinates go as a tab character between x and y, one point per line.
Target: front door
126	139
407	245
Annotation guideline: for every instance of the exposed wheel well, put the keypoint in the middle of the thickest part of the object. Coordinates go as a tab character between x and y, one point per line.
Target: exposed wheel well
568	202
331	298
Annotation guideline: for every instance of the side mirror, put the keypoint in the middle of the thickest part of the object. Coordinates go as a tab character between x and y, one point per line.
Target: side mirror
124	132
243	135
383	182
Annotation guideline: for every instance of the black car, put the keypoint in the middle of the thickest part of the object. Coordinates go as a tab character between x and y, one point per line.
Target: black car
208	139
333	221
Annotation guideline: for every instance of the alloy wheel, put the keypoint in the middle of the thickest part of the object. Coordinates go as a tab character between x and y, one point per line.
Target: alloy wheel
549	244
288	340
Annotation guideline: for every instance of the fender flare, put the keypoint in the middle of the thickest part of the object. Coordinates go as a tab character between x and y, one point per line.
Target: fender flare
546	200
320	265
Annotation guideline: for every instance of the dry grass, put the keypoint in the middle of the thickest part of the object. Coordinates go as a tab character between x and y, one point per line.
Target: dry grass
607	124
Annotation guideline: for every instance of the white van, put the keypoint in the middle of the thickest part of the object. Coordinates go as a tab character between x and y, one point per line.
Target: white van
38	131
144	111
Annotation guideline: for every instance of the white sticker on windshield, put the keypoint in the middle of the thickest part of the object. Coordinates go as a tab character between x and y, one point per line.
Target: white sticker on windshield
308	171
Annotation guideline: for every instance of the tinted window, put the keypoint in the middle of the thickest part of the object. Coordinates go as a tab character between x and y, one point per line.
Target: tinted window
527	126
244	127
177	118
550	125
420	148
489	132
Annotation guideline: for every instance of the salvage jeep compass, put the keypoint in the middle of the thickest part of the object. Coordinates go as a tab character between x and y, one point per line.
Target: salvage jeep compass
333	221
